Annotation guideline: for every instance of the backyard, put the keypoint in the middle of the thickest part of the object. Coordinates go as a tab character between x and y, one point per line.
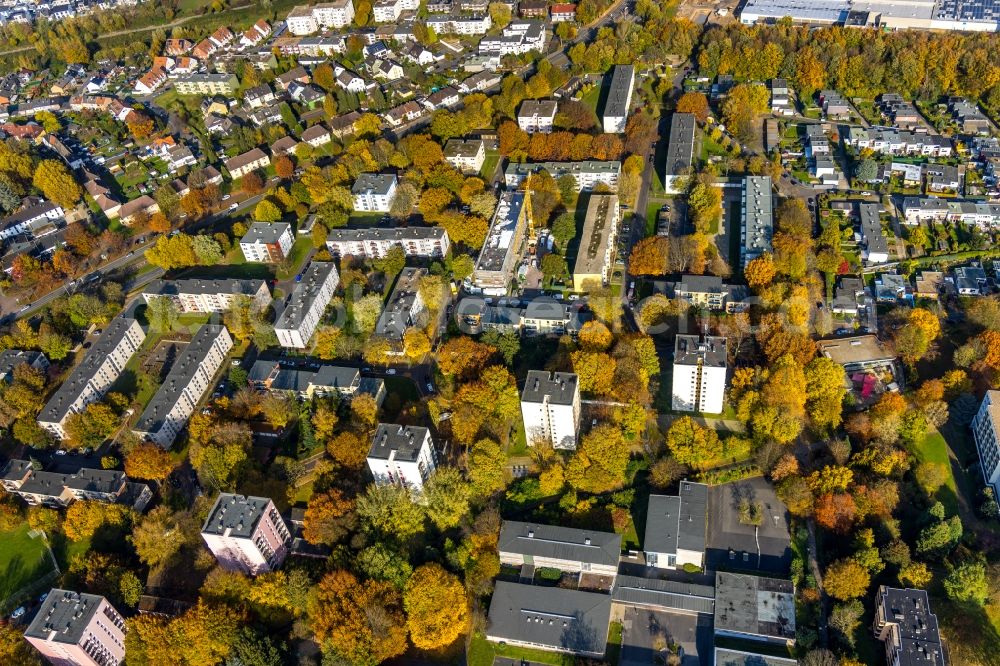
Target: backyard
483	652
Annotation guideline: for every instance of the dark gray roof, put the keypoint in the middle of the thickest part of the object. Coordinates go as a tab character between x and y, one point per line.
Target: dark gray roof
235	513
692	525
181	373
96	480
335	376
702	284
51	484
399	234
690	350
63	616
664	593
15	470
561	543
754	605
391	438
620	90
871	228
558	387
462	147
58	405
397	315
264	232
680	148
920	638
560	619
376	183
305	294
11	358
662	520
203	286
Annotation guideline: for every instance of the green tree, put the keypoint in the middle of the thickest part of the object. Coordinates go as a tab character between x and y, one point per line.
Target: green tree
693	444
447	497
391	512
600	462
162	314
968	583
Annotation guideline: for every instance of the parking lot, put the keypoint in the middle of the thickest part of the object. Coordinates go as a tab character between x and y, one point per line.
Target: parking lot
647	636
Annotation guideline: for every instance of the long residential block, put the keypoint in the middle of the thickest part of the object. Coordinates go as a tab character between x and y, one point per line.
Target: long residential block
306	305
505	242
92	378
57	490
375	242
595	257
200	295
188	381
587	174
619	100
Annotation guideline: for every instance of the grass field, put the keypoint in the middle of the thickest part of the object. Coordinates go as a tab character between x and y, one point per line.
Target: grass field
482	653
934	449
22	560
489	165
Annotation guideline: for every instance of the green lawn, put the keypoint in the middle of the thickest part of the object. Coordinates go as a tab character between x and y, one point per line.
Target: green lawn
22	560
614	643
291	265
935	450
482	653
592	98
489	164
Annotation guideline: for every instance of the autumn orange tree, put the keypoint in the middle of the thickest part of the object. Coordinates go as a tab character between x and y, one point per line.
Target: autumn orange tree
599	464
846	579
649	256
437	610
695	103
149	461
462	356
362	622
693	444
328	517
284	167
760	272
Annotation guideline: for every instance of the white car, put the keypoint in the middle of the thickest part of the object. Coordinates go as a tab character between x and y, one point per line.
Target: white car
234	206
226	197
235	361
390	371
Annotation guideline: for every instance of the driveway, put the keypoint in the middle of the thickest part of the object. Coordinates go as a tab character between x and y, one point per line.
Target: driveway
647	633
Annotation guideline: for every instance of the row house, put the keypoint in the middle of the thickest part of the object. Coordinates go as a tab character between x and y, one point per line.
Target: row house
256	34
55	490
899	142
375	242
921	209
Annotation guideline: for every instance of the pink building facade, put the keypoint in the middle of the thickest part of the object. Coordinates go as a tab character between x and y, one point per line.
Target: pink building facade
246	534
75	629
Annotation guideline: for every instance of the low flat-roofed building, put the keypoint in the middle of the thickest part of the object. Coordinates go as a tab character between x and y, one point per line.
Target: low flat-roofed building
757	223
856	353
92	378
727	657
676	527
59	490
403	309
190	378
306	304
971	280
754	607
505	241
402	455
907	627
565	548
307	381
549	618
375	242
680	151
595	256
659	594
466	155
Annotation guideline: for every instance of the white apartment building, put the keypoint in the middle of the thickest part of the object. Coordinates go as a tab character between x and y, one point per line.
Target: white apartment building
907	627
388	11
587	173
537	115
198	295
595	257
520	36
619	100
267	243
985	433
699	383
402	455
676	526
31	219
305	20
306	305
78	629
466	155
374	192
91	379
550	407
246	534
374	243
190	378
460	25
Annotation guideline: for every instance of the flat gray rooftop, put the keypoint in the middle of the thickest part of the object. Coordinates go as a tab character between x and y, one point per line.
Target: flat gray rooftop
754	605
562	543
559	388
598	226
266	233
305	294
397	441
620	91
63	616
692	350
680	148
236	514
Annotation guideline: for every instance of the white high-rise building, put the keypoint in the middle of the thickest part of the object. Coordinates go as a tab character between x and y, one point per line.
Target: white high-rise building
401	455
619	99
305	307
550	407
984	431
699	374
